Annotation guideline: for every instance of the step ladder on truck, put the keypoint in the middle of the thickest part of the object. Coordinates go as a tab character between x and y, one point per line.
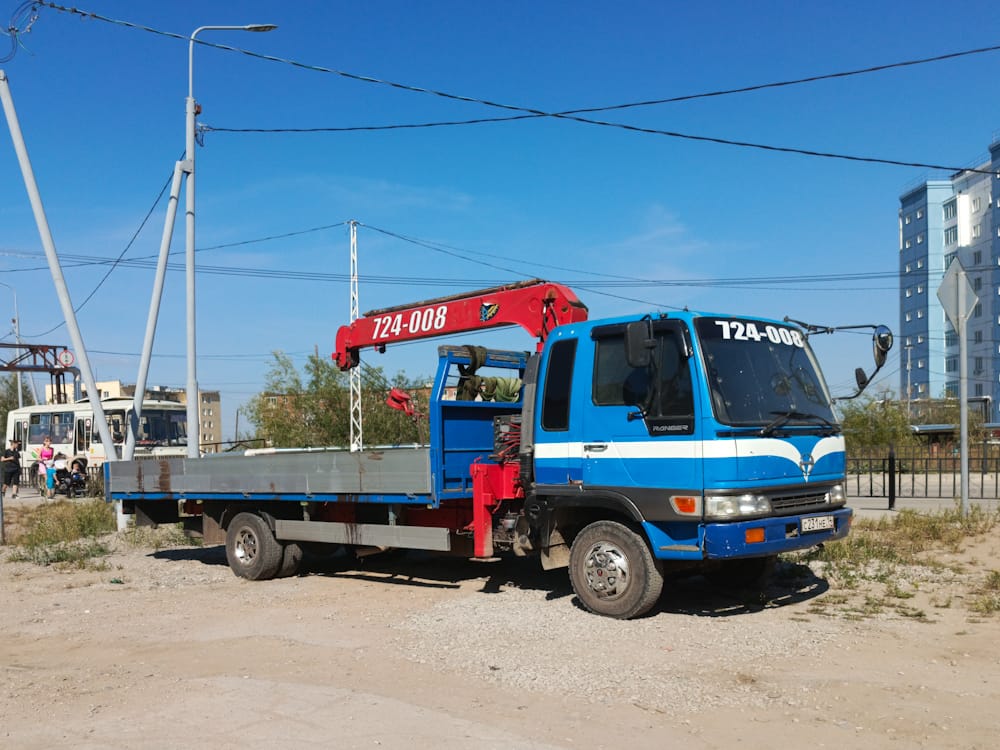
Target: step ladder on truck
633	446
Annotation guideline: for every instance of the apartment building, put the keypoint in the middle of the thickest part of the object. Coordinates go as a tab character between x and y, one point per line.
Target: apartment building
940	221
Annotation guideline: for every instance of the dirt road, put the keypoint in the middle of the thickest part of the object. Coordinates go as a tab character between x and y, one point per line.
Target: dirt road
164	649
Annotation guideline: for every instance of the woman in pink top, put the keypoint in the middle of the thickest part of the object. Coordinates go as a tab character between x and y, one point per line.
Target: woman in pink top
46	458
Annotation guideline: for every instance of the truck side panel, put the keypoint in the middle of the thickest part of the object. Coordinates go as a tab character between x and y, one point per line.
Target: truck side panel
401	473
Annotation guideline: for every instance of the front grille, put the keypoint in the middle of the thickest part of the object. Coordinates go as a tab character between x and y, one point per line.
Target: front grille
795	502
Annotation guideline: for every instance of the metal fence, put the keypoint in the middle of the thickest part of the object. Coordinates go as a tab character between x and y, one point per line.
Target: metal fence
924	472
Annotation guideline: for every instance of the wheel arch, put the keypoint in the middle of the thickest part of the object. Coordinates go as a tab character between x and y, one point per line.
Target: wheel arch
567	515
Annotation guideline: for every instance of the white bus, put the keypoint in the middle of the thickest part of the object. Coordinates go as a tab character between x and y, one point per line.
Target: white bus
162	430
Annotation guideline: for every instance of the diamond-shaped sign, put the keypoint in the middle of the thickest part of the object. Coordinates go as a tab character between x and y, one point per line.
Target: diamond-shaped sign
956	280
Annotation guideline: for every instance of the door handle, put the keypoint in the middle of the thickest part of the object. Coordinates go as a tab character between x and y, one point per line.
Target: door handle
595	447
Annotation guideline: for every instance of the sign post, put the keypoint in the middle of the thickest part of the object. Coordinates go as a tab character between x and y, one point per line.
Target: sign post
959	300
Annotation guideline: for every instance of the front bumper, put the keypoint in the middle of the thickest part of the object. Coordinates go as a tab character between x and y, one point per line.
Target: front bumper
781	534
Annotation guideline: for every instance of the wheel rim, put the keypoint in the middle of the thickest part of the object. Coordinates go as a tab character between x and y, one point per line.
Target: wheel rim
246	546
607	570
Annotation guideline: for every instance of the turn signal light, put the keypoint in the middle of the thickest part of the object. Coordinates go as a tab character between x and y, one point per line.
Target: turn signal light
683	504
755	535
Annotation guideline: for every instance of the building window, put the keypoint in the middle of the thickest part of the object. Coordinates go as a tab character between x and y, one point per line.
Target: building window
977	257
921	387
909	292
977	283
977	337
920	288
950	209
909	341
951	235
920	314
920	238
920	213
907	219
978	365
907	268
977	204
951	338
920	339
977	231
979	389
920	263
948	259
951	364
978	311
920	364
908	244
909	317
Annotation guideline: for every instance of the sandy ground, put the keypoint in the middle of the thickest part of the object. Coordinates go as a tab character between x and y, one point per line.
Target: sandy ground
166	648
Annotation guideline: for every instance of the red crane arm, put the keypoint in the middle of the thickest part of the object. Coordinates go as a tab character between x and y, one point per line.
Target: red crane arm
537	306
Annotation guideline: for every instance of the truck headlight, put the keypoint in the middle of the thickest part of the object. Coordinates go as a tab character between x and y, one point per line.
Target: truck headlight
836	494
734	506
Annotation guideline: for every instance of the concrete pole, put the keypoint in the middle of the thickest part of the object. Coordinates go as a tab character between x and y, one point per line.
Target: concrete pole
193	426
154	313
62	292
963	393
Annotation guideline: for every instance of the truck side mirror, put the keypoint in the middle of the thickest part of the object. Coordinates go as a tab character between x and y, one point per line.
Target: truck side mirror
881	343
860	378
639	344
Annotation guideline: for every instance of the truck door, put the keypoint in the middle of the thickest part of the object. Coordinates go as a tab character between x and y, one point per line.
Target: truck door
639	429
557	447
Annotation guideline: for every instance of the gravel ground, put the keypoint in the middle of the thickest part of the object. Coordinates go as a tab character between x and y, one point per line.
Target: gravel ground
162	648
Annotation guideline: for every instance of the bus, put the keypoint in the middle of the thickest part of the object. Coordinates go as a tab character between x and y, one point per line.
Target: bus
162	430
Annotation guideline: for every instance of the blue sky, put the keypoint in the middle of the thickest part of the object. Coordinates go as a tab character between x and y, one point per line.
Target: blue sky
102	110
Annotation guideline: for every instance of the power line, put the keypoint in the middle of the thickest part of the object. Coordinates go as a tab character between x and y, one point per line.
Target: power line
569	114
117	261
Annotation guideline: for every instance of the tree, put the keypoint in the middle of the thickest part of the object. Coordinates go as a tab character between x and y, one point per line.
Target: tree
871	425
8	395
309	409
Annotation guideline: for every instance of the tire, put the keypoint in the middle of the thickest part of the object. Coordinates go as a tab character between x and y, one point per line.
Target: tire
745	572
613	572
291	559
251	549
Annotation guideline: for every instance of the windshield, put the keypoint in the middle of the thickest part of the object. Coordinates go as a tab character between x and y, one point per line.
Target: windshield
760	371
162	427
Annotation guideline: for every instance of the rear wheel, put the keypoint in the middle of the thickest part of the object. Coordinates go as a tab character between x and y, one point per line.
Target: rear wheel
291	559
613	572
251	549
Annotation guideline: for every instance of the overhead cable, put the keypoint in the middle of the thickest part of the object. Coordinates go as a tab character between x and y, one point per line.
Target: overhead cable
570	114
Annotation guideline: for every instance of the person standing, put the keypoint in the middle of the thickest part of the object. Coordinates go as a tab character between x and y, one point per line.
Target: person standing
46	460
11	462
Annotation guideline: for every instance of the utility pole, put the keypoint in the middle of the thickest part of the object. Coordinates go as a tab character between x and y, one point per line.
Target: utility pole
909	351
357	437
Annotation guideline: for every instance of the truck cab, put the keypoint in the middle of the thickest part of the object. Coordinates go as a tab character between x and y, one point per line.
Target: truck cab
711	435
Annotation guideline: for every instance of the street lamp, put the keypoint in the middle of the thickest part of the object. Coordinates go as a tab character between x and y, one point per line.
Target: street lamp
17	338
192	371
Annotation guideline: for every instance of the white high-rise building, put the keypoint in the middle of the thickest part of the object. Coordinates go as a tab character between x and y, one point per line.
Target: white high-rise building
941	220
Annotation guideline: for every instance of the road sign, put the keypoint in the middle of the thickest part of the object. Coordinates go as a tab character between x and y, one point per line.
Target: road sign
948	294
66	358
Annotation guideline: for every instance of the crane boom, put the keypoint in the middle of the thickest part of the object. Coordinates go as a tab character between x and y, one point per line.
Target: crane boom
537	306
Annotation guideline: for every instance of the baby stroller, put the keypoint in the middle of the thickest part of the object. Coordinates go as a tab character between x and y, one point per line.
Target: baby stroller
71	482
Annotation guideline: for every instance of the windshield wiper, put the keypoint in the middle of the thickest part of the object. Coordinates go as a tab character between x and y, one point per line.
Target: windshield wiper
784	417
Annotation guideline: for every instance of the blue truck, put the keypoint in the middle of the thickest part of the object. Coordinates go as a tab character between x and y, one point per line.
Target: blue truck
623	449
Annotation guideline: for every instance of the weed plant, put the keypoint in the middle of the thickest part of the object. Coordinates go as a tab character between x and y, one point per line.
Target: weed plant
63	532
893	554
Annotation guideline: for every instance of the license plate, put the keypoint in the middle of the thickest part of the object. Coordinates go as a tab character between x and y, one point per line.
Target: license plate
817	523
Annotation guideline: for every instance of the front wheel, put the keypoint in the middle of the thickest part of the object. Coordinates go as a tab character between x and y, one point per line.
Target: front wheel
613	572
251	549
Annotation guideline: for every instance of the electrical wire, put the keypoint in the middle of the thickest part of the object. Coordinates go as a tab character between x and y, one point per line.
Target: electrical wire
118	261
568	115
